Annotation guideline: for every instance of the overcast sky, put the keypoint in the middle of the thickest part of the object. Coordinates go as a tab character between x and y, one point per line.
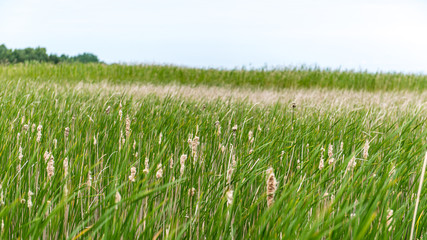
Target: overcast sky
364	34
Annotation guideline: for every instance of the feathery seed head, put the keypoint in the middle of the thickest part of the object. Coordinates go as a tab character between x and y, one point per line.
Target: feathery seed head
117	198
147	168
25	128
229	195
330	150
366	150
182	162
65	165
39	133
389	219
191	191
132	174
29	202
20	155
66	132
89	179
46	156
159	173
50	167
128	130
271	186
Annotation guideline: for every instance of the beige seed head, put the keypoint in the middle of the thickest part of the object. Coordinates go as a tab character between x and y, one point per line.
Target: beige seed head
271	186
389	219
89	179
39	133
330	150
321	163
1	197
50	167
352	163
65	165
128	130
147	168
25	128
366	150
117	198
182	162
191	191
251	136
159	173
132	174
20	155
229	195
29	202
66	132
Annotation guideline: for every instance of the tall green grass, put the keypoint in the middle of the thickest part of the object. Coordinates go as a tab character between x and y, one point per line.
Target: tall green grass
310	203
301	77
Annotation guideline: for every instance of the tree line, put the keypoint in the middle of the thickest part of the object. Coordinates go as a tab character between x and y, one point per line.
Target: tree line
39	54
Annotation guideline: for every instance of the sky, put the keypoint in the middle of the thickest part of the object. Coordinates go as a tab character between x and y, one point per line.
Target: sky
373	35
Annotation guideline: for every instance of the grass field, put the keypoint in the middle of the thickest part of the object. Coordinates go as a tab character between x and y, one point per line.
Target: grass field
301	77
97	151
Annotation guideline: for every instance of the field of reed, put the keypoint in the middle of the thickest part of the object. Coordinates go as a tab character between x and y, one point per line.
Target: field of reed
274	78
104	152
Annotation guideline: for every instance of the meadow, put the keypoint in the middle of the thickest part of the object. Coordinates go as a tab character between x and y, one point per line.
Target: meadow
104	152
